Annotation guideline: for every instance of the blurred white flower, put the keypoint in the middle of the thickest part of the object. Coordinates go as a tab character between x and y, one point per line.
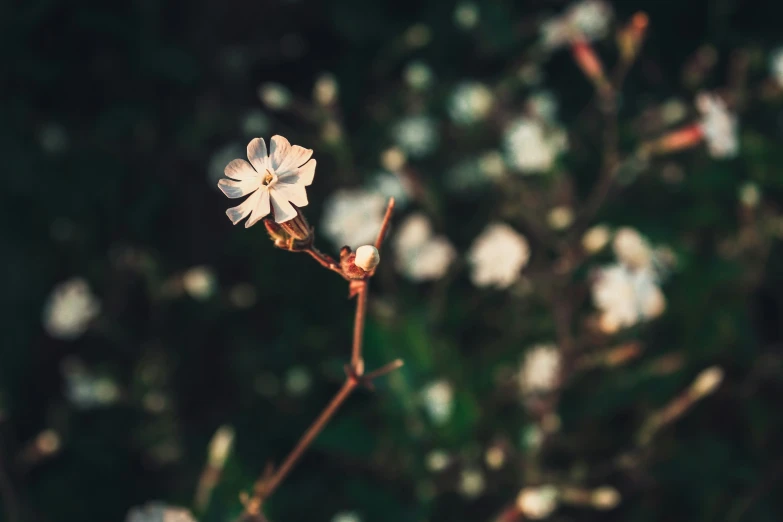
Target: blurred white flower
631	248
471	482
707	382
719	126
393	159
750	194
275	96
437	460
53	138
538	502
353	217
626	296
418	255
470	102
367	257
391	185
466	15
70	308
540	370
531	148
84	389
254	123
325	89
491	164
298	380
418	75
588	19
279	178
596	238
560	217
673	111
417	136
776	65
605	497
199	282
346	516
543	105
438	398
497	256
220	446
418	35
159	512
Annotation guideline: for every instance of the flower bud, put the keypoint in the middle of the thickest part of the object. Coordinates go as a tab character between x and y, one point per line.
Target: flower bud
367	257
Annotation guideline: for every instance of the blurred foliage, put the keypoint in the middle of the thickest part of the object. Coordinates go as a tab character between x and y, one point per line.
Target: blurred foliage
112	118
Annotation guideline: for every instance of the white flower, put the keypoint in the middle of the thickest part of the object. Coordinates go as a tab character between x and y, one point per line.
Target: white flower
220	446
471	482
419	255
530	148
718	125
418	75
540	371
199	282
391	185
605	497
776	65
543	105
470	102
750	194
86	390
438	400
497	256
631	248
626	296
159	512
466	15
596	238
416	135
589	19
280	177
70	308
537	503
560	217
325	89
346	516
437	460
353	217
275	96
707	381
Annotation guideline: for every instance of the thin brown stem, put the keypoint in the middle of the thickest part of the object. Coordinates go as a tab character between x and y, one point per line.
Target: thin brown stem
383	370
358	327
266	488
324	260
385	224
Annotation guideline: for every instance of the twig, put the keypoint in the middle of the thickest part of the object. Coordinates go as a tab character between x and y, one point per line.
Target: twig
324	260
361	288
385	224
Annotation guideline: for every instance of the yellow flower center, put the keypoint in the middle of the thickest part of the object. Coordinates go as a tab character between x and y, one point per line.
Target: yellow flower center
270	178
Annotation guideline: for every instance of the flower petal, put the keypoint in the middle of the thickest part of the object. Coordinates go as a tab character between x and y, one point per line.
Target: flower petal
283	209
261	209
295	158
303	174
236	214
279	150
237	189
240	169
256	153
293	192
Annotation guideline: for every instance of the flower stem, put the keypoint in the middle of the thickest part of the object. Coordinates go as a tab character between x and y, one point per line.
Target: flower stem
324	260
385	224
266	488
358	327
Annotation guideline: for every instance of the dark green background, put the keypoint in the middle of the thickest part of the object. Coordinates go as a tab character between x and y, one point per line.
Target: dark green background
148	91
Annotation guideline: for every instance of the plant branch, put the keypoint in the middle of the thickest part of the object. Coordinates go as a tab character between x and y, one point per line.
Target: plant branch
324	260
385	224
357	365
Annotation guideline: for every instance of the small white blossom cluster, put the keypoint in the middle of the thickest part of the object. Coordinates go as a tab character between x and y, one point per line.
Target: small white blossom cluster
540	370
532	147
417	136
419	254
719	126
159	512
438	400
70	309
537	502
497	256
627	292
588	19
470	102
